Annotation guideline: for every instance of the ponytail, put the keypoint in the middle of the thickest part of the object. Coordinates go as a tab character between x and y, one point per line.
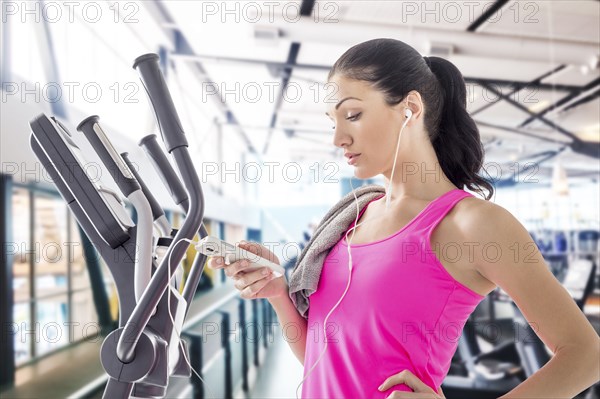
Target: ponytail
456	141
395	68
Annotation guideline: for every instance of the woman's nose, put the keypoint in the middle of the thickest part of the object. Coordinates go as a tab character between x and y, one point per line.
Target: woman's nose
340	139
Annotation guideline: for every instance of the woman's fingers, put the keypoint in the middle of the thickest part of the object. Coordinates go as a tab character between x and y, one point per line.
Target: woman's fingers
259	250
411	395
244	279
231	269
216	262
250	290
407	378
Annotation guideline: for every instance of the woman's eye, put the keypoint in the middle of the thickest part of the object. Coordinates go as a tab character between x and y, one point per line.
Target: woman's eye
353	117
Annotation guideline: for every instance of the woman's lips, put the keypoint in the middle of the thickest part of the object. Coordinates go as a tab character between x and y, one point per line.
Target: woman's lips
352	159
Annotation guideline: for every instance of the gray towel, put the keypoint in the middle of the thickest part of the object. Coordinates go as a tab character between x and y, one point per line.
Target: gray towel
305	276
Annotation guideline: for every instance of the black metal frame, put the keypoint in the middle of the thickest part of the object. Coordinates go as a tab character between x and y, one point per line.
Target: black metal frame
7	371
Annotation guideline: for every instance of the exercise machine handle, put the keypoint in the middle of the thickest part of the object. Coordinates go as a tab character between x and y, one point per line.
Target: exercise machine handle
164	169
154	82
115	164
176	143
157	210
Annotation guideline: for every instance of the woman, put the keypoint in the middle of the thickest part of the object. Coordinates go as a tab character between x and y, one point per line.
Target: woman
396	329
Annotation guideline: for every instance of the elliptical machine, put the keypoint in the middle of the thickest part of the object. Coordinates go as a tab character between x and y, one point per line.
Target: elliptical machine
145	350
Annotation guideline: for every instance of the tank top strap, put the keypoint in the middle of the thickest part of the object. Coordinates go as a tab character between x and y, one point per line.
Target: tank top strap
439	208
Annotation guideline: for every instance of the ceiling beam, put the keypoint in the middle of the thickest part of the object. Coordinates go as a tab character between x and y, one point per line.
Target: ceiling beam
486	15
565	100
283	66
518	131
286	73
583	100
518	87
533	115
505	46
306	8
588	148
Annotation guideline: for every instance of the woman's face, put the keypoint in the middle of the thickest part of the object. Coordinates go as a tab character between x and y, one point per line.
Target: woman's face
364	124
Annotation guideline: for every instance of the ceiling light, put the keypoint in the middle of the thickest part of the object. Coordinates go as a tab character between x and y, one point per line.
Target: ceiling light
593	64
560	183
438	49
266	35
539	106
590	133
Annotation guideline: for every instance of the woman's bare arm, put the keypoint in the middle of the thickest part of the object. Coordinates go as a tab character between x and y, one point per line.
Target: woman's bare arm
521	271
293	325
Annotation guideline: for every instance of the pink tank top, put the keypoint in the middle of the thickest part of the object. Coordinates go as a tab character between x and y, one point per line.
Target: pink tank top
403	310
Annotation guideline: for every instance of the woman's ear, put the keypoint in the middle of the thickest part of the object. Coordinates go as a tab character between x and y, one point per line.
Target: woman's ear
414	103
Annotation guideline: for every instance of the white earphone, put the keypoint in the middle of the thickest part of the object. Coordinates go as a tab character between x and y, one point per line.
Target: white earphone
388	193
408	115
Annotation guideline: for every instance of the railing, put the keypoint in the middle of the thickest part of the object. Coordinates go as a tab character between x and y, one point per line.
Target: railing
226	369
226	335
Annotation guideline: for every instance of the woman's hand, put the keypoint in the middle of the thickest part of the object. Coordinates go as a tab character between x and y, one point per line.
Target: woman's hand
421	390
252	284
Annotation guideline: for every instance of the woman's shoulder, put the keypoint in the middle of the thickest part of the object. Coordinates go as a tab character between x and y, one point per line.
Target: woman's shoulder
479	218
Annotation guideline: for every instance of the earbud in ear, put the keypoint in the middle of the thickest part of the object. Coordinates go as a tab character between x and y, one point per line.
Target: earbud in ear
408	113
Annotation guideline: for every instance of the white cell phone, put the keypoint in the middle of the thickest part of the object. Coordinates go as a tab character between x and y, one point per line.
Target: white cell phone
212	246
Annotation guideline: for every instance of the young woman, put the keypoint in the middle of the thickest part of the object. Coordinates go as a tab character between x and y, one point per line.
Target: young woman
397	326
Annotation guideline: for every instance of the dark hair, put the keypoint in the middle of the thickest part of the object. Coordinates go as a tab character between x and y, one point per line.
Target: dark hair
395	68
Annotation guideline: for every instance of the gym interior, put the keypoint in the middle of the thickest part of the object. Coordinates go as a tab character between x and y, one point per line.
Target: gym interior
248	84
